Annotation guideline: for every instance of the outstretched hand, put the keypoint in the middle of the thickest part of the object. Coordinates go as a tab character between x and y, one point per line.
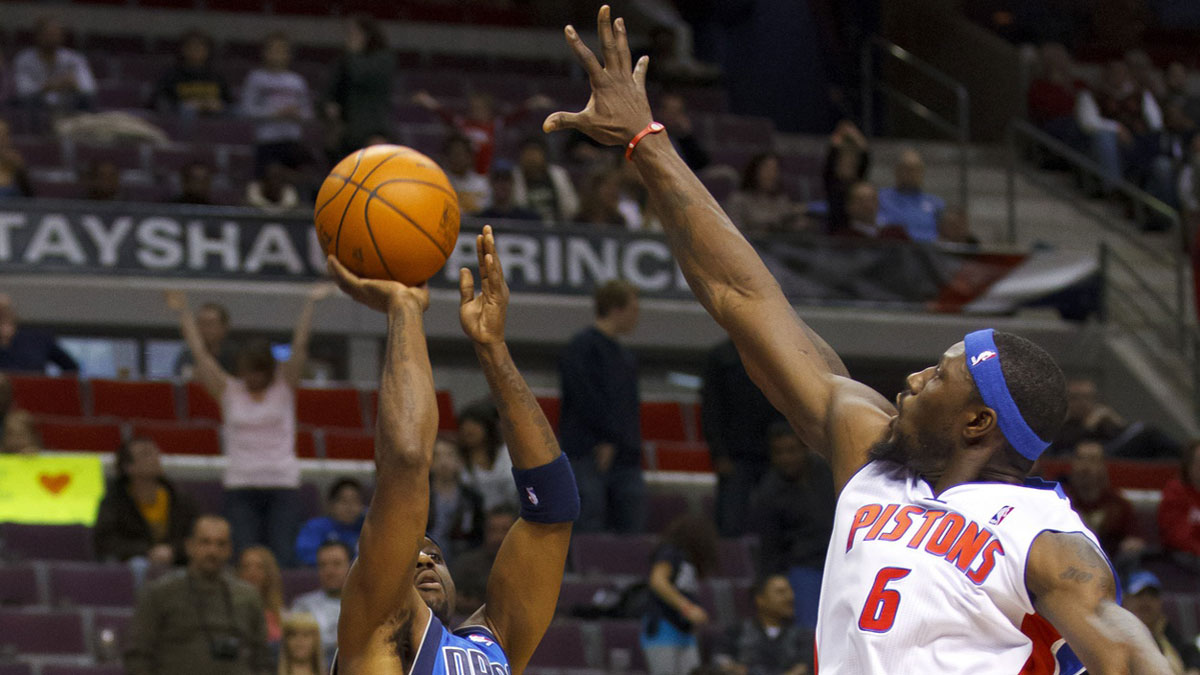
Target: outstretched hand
176	300
618	108
483	315
374	293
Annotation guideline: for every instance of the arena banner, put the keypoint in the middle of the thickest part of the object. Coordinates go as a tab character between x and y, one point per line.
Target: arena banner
232	243
50	489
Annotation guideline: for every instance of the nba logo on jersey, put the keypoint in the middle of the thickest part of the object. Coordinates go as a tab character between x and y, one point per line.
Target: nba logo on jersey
532	496
1000	515
481	640
982	356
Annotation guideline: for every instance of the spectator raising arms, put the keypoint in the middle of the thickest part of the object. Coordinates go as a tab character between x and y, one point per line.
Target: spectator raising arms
258	413
846	163
359	97
1179	511
50	75
300	653
280	100
257	567
686	556
762	205
142	515
344	523
28	349
486	466
16	425
193	86
14	180
212	320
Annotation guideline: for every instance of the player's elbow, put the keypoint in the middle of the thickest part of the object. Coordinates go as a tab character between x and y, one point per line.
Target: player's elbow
402	453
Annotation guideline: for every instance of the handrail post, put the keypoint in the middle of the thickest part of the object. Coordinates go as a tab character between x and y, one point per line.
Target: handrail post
1010	188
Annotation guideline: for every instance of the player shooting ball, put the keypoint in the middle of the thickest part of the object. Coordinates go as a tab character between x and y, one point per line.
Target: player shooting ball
399	597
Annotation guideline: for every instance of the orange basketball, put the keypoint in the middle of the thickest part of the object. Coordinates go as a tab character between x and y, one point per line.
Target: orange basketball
388	212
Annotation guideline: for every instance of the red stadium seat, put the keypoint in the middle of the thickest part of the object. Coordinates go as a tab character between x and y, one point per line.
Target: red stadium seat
40	631
329	408
47	395
663	421
683	457
182	439
75	434
200	404
552	407
349	445
306	446
134	400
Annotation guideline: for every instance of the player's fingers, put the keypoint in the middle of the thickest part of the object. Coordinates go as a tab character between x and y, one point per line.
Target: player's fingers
586	58
480	252
562	120
639	72
608	42
494	283
344	279
466	286
489	240
622	45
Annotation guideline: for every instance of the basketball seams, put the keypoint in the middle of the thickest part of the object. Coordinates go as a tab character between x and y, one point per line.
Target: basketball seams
404	215
358	186
345	180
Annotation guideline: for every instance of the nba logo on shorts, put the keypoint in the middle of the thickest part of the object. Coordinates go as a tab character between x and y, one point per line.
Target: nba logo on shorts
532	496
1000	515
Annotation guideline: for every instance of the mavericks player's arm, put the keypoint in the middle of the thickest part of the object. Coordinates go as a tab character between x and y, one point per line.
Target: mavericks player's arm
379	592
1073	587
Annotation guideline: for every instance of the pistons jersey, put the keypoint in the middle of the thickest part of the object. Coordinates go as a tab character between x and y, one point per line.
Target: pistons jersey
917	583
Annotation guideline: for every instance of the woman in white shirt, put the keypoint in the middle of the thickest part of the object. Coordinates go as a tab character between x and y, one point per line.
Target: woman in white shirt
258	429
488	468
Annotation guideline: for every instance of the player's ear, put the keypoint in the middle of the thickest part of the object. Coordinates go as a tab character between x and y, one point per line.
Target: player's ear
981	420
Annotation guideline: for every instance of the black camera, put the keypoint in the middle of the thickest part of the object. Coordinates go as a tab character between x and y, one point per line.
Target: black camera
225	647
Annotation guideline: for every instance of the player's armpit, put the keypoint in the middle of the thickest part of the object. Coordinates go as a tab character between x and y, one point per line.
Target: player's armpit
1073	588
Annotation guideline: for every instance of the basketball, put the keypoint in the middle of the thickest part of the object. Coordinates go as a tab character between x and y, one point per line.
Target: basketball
388	212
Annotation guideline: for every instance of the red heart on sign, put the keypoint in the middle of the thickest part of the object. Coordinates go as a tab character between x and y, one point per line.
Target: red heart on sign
55	484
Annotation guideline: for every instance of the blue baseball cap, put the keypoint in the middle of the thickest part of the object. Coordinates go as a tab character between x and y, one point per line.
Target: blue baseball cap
1140	581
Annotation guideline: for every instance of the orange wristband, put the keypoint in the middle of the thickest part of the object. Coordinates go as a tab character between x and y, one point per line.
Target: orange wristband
652	128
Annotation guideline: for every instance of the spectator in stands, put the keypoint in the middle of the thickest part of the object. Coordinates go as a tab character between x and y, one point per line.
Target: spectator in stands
600	427
50	75
735	416
762	205
1107	514
952	228
486	466
770	642
471	569
358	99
1121	121
28	349
102	182
212	320
16	425
633	200
258	408
301	652
272	193
504	205
1143	597
1147	75
600	203
455	509
481	125
907	204
258	567
1180	91
473	190
325	603
280	100
143	519
1087	417
541	186
862	216
199	620
792	511
671	64
846	163
193	85
195	185
1179	511
14	179
673	113
686	556
346	505
1053	94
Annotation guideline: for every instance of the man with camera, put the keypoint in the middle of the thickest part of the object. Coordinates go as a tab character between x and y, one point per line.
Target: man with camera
200	620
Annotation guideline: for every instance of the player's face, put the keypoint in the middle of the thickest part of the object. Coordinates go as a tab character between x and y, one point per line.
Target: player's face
433	581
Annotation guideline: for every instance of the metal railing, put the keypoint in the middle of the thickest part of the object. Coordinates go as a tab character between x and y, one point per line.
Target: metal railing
955	126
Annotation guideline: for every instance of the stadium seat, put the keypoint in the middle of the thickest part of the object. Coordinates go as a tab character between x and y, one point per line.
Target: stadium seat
35	631
46	542
552	407
18	585
561	647
47	395
349	445
623	636
73	585
609	554
76	434
306	444
118	620
200	404
329	408
133	400
182	439
663	421
579	593
126	156
299	581
692	457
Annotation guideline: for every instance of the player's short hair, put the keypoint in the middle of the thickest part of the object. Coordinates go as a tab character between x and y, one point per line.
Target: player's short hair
341	484
1037	386
613	295
336	543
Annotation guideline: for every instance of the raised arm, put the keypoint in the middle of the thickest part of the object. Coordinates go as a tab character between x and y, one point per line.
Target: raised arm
522	590
208	371
379	592
797	370
293	368
1073	588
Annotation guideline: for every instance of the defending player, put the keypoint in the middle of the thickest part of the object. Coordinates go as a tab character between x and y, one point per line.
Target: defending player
943	558
399	596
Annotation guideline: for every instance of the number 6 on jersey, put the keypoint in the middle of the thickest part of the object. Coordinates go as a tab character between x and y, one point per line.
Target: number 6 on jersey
879	612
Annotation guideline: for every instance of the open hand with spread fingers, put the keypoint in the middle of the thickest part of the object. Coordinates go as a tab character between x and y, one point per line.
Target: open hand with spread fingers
483	315
618	108
379	295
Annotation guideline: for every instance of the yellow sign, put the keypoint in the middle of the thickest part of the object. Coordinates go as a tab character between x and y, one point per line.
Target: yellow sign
50	489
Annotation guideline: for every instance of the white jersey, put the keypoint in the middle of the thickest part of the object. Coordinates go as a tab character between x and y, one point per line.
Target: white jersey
921	584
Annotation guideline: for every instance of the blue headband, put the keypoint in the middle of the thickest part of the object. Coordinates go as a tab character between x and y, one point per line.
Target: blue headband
983	360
